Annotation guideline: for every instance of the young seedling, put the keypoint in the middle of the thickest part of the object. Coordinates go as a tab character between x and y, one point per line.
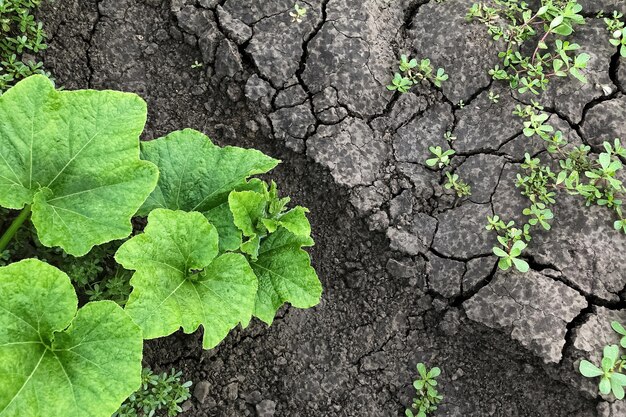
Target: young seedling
197	65
441	158
493	97
461	188
614	22
449	137
610	379
412	72
400	83
619	39
510	258
427	397
299	13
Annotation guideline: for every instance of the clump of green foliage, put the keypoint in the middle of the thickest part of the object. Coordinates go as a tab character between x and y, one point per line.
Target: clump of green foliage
427	397
157	392
612	380
440	157
19	34
615	26
220	246
516	25
594	178
460	187
412	72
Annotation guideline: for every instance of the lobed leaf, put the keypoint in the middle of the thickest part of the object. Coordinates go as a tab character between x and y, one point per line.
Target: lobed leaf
285	275
73	155
196	175
58	362
180	281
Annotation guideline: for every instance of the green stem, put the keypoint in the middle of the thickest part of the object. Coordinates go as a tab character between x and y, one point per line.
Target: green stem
14	227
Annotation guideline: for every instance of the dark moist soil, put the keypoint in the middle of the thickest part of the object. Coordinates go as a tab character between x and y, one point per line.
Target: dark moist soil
354	354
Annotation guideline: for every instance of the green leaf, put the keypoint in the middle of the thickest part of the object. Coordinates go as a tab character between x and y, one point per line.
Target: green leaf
296	222
578	75
518	247
504	264
521	265
179	281
73	155
589	370
605	386
222	218
500	253
617	388
611	352
196	175
421	368
434	372
55	361
618	378
618	328
285	275
247	207
564	29
556	21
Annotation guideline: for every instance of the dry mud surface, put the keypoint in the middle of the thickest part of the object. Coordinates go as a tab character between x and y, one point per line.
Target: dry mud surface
407	268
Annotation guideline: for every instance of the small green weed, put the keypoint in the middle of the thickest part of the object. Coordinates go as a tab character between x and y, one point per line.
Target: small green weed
157	392
412	72
298	14
514	23
427	397
460	187
449	137
440	157
493	97
611	366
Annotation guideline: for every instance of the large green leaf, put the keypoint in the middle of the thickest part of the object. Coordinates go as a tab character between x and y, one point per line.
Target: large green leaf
73	155
57	362
197	175
181	282
285	274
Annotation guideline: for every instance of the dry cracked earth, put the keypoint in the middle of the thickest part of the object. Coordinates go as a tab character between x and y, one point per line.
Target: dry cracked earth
407	267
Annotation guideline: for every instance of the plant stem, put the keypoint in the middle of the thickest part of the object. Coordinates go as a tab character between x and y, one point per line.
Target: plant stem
542	40
14	227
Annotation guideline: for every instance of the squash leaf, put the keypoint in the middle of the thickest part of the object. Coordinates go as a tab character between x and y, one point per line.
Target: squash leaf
197	175
58	362
258	212
73	155
180	281
285	274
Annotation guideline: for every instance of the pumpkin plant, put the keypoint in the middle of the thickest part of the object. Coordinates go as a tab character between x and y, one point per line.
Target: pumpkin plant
219	248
